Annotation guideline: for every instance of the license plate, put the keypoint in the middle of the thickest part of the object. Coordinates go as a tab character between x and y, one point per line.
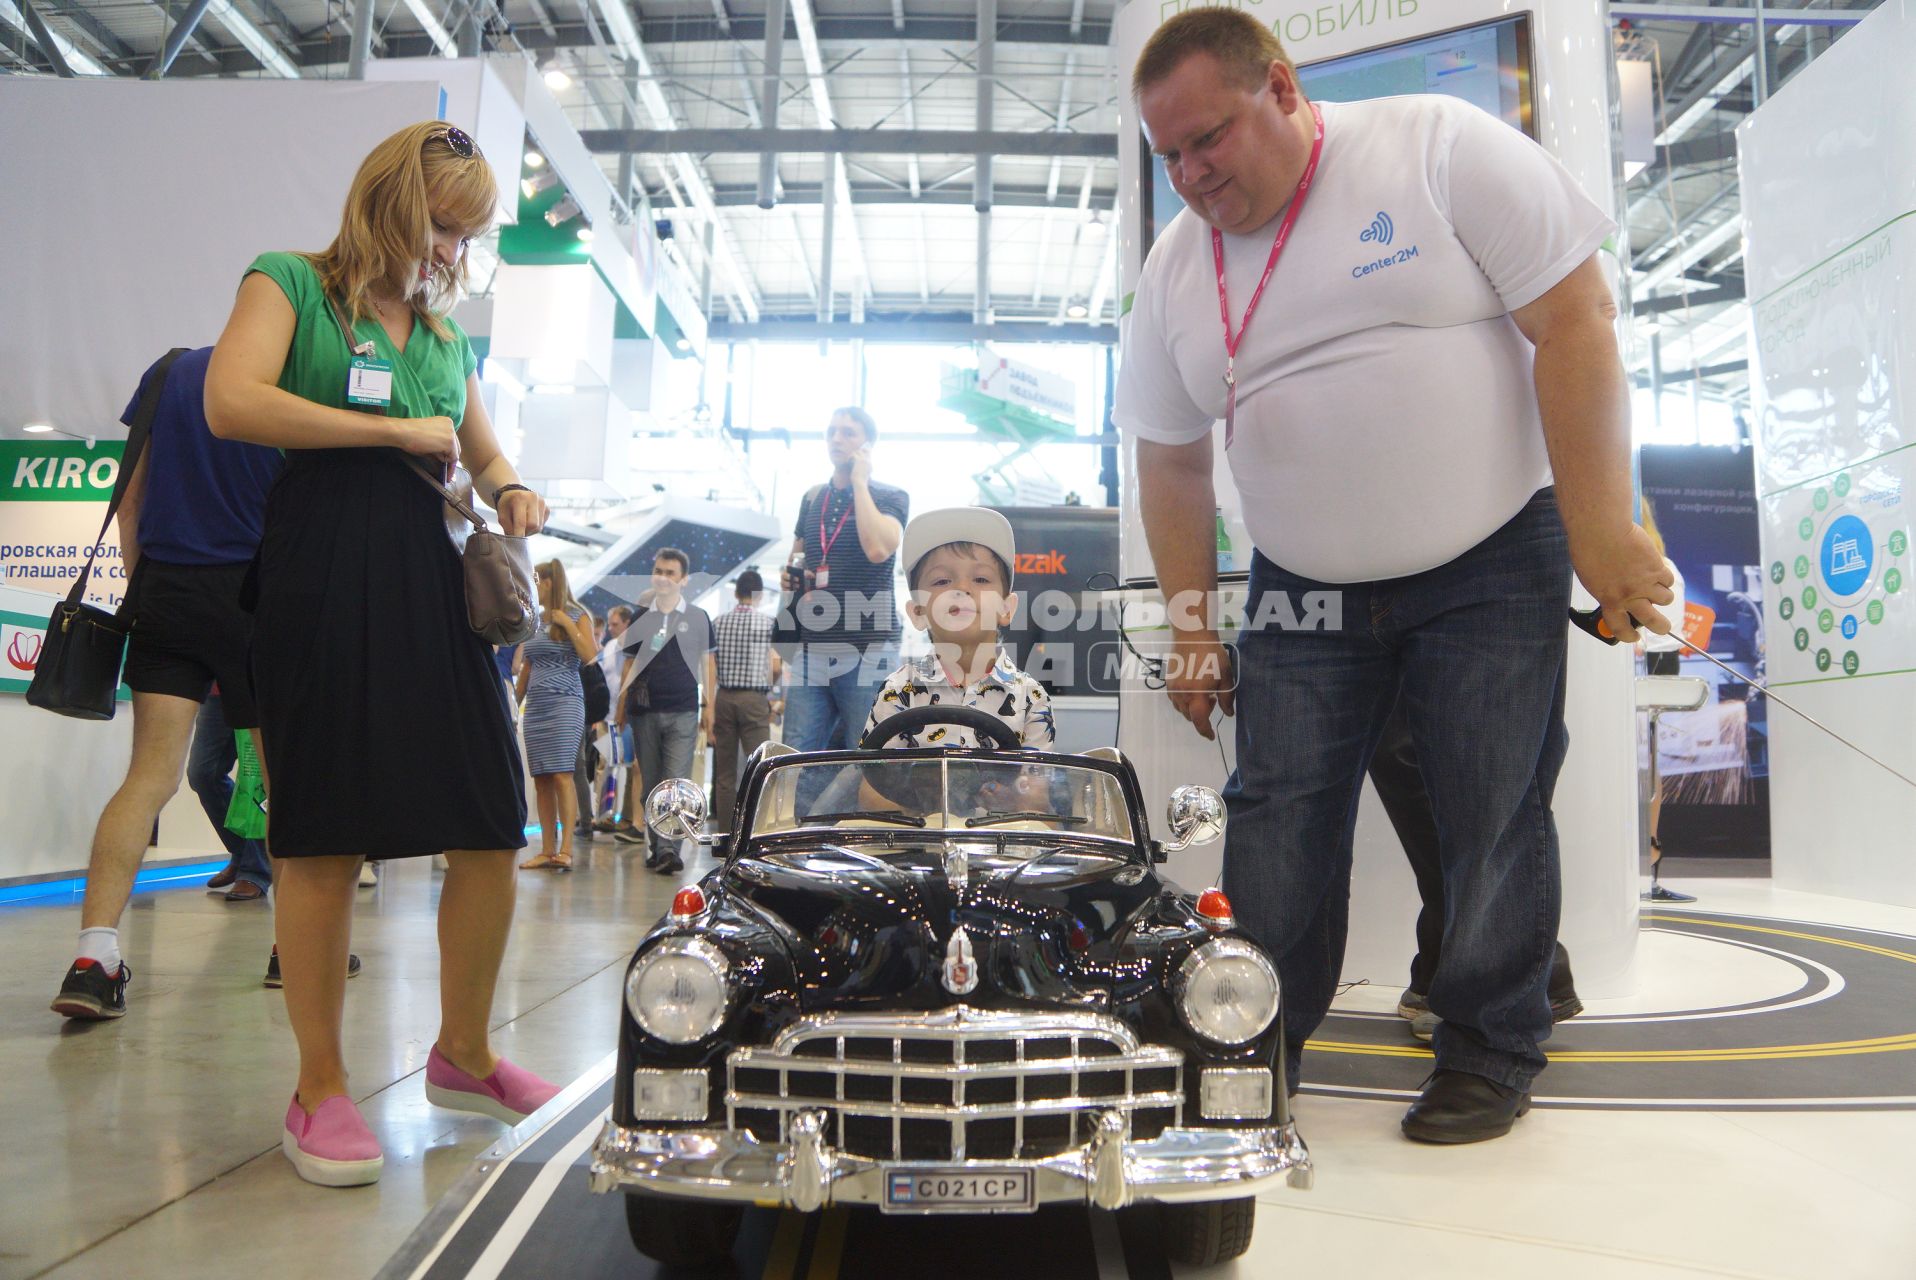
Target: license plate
931	1190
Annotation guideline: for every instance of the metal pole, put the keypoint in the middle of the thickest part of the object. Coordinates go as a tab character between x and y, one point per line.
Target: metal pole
768	103
1656	381
362	46
981	175
176	40
981	304
705	282
1762	78
44	38
830	207
627	161
469	31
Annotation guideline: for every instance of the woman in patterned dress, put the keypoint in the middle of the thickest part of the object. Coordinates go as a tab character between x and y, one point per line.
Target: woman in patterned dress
555	713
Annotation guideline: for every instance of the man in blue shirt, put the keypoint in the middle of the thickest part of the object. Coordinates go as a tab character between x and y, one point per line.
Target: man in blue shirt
189	525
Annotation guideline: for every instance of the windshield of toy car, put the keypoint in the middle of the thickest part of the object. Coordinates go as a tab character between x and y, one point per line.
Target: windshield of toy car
976	797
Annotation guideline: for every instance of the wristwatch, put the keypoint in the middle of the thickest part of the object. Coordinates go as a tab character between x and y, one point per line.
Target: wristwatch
504	489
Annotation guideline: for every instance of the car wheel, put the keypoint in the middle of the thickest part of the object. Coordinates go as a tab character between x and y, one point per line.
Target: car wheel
1208	1232
682	1233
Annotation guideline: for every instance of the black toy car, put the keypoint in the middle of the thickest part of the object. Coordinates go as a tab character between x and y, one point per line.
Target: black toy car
945	980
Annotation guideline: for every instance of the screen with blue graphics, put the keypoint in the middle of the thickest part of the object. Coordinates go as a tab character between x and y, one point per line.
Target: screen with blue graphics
1487	65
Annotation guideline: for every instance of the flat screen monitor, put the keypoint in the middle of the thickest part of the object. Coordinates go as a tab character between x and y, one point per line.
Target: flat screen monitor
1487	65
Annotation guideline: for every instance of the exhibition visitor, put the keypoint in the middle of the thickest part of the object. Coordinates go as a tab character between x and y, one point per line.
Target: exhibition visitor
1434	434
386	728
554	712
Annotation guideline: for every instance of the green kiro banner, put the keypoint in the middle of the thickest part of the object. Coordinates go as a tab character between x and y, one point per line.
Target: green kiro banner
58	471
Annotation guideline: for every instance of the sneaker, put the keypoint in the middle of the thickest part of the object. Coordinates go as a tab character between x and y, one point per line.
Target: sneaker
671	866
332	1147
606	826
1412	1003
90	994
582	830
628	834
510	1093
1424	1025
272	968
368	874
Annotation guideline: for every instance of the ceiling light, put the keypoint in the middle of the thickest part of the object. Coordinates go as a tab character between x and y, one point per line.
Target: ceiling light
683	344
538	182
585	234
564	211
1077	311
557	80
38	428
534	160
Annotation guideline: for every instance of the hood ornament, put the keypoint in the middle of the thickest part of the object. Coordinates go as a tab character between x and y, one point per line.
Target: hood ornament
957	863
961	965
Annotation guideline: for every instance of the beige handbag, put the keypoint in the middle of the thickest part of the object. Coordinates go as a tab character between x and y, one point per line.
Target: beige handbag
498	567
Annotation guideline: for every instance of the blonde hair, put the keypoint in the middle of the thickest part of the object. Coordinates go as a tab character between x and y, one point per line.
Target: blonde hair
1244	47
386	227
1649	523
555	592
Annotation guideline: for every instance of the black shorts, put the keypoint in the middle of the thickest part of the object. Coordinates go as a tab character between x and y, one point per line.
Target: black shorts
190	632
1667	662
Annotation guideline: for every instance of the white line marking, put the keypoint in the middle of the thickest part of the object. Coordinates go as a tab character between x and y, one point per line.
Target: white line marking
502	1152
513	1230
1592	1103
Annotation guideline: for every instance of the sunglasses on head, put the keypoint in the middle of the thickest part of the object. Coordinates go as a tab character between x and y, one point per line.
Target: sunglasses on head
457	141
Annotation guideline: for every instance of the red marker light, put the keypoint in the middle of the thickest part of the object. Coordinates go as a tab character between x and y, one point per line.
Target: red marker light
1216	909
688	902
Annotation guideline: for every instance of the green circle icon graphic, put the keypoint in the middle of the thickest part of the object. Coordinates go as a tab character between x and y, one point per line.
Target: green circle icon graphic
1875	611
1893	581
1825	621
1821	500
1786	607
1809	597
1802	566
1898	543
1805	528
1802	639
1842	485
1776	572
1851	663
1822	659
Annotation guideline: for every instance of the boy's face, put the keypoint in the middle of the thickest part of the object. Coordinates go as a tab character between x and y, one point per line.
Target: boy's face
960	596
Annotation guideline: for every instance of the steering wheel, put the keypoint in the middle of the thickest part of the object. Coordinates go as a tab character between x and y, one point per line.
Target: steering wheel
990	729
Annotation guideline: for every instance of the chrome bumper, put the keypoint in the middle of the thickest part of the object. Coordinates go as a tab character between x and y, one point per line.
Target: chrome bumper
805	1174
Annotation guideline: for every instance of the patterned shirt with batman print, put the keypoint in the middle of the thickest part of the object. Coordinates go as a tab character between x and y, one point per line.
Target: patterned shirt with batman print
1004	691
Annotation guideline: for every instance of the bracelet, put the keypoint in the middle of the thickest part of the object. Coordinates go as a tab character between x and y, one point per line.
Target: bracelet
504	489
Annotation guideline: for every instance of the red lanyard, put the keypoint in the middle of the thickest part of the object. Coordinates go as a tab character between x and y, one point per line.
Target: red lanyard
825	543
1277	248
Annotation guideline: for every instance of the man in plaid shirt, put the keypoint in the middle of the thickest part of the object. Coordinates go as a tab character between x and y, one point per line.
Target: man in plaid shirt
740	718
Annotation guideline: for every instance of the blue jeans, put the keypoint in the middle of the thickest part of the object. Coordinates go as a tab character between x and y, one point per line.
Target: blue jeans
209	772
829	691
665	741
1475	649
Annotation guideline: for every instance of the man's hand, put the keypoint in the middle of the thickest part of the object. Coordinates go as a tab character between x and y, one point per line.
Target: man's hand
1199	677
862	467
705	724
522	512
1623	571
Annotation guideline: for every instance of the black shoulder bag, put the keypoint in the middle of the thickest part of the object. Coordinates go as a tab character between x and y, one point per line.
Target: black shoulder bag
79	669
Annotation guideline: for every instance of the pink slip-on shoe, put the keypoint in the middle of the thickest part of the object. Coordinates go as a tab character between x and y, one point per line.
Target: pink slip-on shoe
332	1147
510	1093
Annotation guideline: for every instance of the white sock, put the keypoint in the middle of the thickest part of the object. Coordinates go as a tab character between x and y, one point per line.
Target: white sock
102	945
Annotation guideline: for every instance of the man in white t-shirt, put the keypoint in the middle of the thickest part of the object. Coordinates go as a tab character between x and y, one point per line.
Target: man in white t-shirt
1434	342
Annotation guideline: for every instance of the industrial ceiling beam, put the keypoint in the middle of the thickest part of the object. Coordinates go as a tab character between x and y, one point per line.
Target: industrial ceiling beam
805	28
895	142
176	39
1739	14
43	36
797	193
1681	301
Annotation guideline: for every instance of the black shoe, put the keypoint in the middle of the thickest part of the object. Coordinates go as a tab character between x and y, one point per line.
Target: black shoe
1457	1106
223	877
583	831
89	994
670	867
272	968
1563	988
1660	894
628	835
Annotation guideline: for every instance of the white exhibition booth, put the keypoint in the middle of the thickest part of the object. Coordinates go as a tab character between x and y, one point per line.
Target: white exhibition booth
1828	172
1547	68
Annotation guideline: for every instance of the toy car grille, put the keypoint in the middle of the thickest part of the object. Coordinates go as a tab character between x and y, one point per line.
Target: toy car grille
956	1085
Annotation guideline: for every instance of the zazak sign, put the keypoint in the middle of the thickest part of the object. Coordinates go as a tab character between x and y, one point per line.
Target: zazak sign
53	496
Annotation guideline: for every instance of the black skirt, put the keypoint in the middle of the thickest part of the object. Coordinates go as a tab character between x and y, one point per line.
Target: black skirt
383	716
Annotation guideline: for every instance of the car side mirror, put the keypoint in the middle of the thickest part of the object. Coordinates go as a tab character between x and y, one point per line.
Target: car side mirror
675	810
1195	816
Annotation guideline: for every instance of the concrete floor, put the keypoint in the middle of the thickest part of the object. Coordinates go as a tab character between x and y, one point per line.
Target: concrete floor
149	1147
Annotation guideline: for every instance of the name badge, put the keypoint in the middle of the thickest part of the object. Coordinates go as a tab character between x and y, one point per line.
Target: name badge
658	640
823	577
369	383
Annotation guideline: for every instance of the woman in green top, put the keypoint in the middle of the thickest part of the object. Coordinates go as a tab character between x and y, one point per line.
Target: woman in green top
385	727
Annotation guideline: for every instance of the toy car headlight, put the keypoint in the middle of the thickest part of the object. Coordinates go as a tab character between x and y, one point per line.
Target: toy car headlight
678	991
1227	991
